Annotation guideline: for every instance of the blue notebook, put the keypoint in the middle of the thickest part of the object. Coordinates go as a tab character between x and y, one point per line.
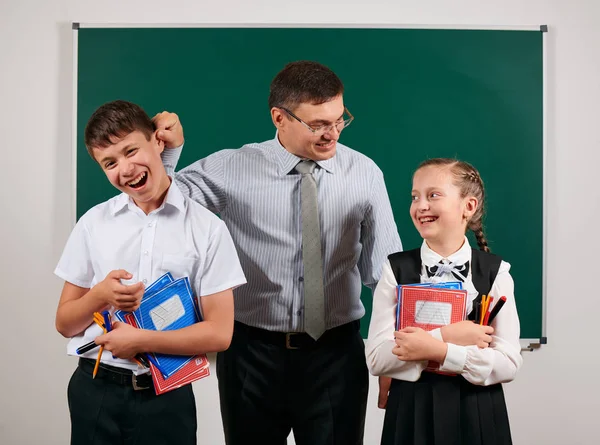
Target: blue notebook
167	305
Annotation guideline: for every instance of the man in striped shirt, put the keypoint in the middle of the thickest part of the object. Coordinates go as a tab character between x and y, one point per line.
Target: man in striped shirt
275	377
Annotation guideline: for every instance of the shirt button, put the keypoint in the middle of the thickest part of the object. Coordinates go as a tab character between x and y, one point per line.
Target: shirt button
149	224
299	313
301	279
144	281
145	252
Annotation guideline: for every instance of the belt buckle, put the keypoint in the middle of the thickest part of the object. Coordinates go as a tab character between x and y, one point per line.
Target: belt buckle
134	382
288	338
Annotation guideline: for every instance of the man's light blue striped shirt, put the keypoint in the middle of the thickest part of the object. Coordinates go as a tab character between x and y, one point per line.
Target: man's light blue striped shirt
256	191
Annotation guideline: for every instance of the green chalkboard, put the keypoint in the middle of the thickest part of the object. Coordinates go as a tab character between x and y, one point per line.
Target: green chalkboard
416	93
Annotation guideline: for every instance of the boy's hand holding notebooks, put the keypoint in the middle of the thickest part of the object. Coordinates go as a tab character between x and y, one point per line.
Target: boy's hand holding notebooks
428	307
169	304
195	368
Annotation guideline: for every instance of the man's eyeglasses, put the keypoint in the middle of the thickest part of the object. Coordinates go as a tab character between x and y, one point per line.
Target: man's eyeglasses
322	129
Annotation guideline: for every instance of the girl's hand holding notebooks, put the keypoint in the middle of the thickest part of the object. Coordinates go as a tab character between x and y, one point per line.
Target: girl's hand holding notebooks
413	344
467	333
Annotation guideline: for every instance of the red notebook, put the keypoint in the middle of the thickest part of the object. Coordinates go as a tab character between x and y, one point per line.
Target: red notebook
430	308
194	370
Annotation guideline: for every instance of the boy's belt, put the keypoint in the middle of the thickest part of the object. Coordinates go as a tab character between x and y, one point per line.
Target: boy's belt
116	375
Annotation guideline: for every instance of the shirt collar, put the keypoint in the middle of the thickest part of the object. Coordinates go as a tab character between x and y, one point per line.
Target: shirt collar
119	203
430	258
174	199
287	161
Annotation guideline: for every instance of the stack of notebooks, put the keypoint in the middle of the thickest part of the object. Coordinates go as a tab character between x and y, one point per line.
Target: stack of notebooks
430	306
169	304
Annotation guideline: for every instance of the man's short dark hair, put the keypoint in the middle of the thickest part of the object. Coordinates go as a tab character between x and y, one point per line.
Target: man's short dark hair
115	120
304	82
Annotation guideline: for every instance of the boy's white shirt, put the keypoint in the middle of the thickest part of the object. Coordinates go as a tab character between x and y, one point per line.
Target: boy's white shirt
180	237
496	364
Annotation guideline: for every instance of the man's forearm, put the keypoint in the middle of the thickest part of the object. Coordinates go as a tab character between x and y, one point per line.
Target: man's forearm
170	158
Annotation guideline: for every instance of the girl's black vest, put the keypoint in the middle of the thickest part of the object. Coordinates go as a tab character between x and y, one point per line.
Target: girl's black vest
484	268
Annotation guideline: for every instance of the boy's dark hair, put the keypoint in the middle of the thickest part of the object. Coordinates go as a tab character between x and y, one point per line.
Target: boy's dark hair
304	82
468	180
115	120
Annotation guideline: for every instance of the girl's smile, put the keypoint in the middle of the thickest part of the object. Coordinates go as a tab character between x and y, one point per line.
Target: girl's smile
438	211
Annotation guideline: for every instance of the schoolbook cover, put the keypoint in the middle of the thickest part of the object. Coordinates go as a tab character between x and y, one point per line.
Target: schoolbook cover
430	308
456	285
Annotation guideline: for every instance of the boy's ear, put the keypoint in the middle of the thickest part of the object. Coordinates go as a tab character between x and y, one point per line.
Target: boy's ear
159	142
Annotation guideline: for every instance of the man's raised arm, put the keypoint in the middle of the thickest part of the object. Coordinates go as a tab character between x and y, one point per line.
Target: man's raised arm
171	132
203	180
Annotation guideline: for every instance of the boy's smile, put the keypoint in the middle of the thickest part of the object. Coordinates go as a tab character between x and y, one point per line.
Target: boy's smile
133	165
139	181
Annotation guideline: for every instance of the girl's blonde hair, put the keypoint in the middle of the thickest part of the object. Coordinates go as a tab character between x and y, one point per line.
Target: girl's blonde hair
468	180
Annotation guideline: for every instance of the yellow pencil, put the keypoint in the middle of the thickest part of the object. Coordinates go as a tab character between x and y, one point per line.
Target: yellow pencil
484	302
487	307
99	320
97	362
481	306
488	301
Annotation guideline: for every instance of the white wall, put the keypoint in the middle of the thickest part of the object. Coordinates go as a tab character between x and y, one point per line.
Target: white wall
555	397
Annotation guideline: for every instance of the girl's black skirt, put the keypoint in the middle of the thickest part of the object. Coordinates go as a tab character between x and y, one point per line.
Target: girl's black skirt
445	410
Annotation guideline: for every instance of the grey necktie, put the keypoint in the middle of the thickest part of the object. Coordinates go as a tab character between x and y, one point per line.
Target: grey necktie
314	297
